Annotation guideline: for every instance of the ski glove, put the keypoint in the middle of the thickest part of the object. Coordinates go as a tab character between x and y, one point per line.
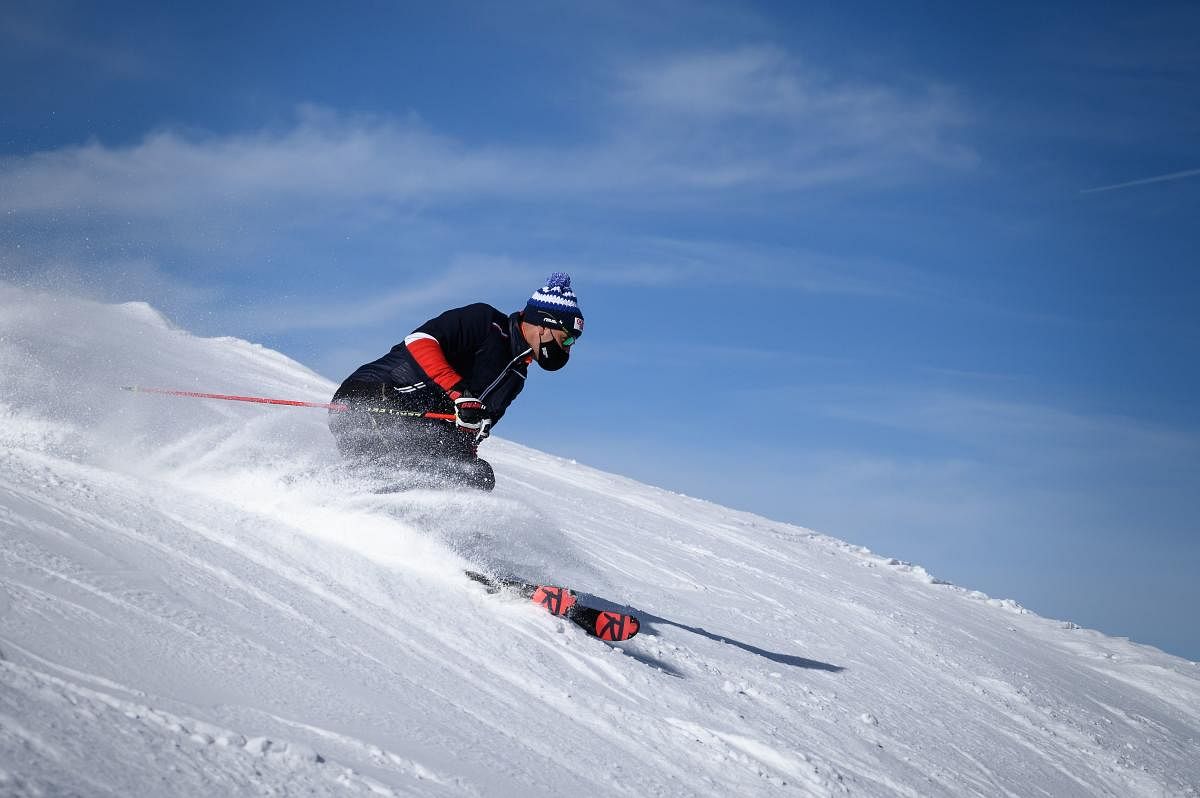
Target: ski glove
469	415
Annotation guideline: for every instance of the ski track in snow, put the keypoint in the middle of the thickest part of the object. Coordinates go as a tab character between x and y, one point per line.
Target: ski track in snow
192	602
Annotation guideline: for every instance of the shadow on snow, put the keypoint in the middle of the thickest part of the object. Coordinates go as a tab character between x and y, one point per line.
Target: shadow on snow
646	618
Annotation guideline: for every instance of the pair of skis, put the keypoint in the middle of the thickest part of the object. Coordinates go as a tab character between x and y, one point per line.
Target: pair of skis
562	602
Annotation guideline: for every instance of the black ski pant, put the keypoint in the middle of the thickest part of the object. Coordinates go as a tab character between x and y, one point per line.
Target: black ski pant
377	432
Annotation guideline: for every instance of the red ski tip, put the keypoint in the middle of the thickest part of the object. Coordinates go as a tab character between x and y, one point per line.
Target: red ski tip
616	626
556	600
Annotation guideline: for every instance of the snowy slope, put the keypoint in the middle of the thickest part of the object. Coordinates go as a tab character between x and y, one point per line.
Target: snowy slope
191	603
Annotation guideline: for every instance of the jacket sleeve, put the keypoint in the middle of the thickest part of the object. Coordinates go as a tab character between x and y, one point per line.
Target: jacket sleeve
439	341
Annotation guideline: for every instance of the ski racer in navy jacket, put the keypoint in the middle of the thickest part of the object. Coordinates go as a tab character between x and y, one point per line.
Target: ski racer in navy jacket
468	365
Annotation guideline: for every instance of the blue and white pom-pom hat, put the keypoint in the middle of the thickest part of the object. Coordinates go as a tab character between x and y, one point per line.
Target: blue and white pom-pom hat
554	305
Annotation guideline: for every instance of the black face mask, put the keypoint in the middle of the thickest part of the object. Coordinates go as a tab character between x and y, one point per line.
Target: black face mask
551	355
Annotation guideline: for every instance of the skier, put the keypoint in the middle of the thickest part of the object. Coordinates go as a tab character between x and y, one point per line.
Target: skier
469	364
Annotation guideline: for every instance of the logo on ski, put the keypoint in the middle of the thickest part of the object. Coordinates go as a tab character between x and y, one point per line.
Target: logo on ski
616	626
556	600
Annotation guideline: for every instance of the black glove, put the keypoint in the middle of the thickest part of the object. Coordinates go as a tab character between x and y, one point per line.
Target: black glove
470	414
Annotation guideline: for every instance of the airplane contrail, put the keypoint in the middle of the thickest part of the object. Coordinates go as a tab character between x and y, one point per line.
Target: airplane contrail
1144	181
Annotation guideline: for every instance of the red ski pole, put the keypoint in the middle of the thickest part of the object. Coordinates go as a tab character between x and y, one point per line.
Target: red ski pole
335	407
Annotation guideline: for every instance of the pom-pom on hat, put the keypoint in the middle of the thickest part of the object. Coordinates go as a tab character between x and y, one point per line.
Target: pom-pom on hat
554	305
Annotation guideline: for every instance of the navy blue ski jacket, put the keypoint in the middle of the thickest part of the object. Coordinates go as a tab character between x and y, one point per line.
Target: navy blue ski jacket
474	348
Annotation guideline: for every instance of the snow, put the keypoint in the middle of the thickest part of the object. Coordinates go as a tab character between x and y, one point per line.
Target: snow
193	602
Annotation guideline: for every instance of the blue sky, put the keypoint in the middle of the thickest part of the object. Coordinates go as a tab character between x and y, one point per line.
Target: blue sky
923	278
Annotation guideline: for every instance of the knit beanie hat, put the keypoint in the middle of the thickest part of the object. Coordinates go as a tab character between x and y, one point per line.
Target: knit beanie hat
554	305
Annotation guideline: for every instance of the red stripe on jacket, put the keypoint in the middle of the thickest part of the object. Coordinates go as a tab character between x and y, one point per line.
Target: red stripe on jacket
432	360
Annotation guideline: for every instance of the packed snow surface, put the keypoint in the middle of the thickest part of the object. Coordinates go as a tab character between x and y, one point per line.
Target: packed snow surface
194	602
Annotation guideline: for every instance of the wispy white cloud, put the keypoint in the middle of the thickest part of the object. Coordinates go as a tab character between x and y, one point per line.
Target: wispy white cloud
1144	181
759	115
778	267
746	118
707	130
322	157
1005	431
750	82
